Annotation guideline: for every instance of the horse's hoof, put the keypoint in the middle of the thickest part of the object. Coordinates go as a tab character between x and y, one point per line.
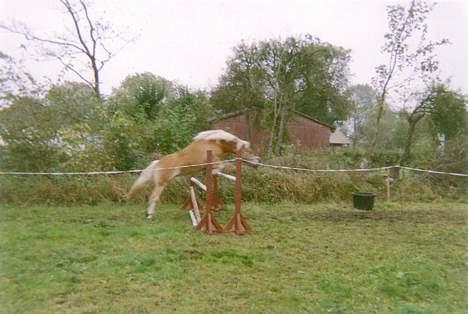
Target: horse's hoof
149	216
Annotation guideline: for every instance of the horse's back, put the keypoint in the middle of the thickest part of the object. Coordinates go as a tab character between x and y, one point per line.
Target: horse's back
193	154
196	152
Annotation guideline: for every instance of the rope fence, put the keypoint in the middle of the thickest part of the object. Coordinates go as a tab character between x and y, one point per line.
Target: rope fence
434	171
91	173
258	164
317	170
355	170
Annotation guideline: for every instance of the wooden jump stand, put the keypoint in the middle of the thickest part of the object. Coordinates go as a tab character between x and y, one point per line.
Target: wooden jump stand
208	222
238	223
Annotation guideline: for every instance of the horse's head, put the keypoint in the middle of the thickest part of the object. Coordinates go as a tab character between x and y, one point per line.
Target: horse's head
245	151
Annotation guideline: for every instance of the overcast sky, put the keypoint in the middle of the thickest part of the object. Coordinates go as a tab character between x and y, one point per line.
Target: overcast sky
190	41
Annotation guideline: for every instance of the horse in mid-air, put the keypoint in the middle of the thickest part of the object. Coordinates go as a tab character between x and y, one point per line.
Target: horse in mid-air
190	160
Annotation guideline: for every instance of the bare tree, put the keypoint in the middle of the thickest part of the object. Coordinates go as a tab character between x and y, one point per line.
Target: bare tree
404	58
89	40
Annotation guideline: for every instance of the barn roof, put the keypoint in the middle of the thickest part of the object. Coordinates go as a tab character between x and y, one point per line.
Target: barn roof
315	120
338	138
237	113
227	116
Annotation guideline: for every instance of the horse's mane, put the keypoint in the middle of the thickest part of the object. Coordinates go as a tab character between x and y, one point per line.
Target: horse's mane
221	135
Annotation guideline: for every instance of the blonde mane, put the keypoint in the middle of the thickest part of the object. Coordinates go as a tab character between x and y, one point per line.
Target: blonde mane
221	135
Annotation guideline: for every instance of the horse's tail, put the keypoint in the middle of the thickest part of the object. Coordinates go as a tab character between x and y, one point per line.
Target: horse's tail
145	176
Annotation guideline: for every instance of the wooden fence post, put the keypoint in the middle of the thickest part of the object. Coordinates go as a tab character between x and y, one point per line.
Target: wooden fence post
388	181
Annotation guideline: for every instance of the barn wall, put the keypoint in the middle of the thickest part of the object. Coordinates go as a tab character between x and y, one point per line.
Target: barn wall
308	133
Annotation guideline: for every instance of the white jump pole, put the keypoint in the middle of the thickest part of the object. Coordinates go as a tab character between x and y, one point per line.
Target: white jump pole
197	182
227	176
195	209
193	218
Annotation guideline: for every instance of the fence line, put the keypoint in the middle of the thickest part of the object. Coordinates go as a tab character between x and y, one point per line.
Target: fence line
90	173
232	160
434	171
318	170
355	170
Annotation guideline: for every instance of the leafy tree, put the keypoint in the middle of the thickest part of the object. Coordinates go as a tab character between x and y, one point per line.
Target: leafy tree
29	133
279	63
60	131
392	125
243	85
125	138
449	113
180	118
149	114
142	93
133	109
362	103
80	120
281	76
325	81
447	110
452	157
71	102
413	117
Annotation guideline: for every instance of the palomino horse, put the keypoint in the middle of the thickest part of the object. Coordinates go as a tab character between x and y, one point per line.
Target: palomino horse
179	163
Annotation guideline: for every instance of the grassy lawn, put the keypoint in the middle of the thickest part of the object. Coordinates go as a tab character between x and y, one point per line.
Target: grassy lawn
321	258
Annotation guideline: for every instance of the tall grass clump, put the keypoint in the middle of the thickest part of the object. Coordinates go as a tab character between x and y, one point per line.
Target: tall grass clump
62	189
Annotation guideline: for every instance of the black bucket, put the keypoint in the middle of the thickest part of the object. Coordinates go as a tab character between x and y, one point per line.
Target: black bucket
363	200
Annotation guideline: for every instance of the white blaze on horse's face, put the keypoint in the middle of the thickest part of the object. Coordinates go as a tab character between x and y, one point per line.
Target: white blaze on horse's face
246	152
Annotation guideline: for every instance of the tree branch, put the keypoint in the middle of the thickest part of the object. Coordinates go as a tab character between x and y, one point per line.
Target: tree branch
77	27
70	68
31	37
91	27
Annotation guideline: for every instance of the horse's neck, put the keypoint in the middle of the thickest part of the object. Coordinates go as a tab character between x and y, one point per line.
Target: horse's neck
218	148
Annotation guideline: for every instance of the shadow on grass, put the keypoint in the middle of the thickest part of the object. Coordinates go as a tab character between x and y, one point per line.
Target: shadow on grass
428	216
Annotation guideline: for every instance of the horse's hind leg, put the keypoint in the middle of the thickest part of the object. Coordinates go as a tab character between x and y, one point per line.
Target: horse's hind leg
154	198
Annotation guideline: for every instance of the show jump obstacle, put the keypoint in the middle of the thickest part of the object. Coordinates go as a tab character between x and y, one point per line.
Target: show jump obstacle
208	222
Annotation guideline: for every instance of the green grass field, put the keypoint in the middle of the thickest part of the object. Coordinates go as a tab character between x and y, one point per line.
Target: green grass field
321	258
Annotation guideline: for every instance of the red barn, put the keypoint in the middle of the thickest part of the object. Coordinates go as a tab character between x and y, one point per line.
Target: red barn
302	130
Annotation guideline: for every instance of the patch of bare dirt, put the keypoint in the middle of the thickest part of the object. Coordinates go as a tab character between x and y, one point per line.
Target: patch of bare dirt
426	216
